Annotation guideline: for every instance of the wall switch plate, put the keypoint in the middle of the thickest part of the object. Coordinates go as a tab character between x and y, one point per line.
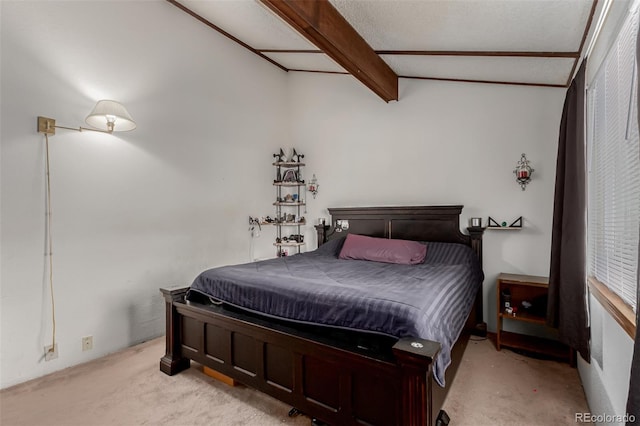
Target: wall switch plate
50	352
87	343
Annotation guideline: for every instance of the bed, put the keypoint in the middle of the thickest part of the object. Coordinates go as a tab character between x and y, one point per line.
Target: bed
355	373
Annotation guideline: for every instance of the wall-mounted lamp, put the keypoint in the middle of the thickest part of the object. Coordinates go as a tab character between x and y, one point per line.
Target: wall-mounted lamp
106	117
523	172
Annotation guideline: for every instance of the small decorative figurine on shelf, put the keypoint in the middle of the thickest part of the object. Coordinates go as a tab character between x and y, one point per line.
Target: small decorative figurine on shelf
290	176
298	238
523	172
288	155
313	186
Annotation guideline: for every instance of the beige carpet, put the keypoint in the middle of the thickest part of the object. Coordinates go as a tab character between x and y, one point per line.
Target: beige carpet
492	388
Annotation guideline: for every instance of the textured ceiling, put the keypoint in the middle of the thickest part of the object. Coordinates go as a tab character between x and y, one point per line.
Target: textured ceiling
505	25
533	42
250	22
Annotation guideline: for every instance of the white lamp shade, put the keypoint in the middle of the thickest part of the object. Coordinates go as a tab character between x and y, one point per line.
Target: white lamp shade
106	111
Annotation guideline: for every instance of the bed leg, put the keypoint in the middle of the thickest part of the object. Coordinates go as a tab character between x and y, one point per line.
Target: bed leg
443	418
415	357
173	362
479	327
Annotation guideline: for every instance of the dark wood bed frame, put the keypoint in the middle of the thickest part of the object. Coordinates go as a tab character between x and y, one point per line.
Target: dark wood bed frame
331	377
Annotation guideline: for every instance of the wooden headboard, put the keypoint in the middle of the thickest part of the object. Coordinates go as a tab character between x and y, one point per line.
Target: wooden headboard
419	223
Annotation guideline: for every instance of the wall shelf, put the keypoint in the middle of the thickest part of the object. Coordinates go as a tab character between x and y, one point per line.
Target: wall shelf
288	184
284	223
515	225
286	203
294	244
504	228
288	164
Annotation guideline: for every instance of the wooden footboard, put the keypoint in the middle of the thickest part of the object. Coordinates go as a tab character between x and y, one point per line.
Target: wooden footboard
331	383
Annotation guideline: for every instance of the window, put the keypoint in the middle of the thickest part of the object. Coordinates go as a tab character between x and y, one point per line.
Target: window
613	161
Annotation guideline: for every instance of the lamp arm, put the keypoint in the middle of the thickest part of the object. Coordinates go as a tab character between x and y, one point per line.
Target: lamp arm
48	126
82	129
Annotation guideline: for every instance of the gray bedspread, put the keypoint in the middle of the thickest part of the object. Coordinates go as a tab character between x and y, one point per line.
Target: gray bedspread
430	300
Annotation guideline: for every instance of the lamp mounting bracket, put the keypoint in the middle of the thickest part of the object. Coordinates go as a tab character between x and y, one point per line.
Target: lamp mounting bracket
46	125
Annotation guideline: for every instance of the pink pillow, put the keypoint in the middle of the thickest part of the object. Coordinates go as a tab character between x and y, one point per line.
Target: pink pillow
360	247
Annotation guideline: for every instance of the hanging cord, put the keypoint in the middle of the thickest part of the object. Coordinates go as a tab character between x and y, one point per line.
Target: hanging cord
50	246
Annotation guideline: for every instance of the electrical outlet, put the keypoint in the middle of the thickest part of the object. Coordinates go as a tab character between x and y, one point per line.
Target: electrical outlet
50	352
87	343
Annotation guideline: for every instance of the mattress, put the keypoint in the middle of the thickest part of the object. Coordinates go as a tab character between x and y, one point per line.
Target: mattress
431	300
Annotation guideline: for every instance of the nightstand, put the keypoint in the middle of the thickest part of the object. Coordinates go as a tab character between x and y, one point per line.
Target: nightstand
512	290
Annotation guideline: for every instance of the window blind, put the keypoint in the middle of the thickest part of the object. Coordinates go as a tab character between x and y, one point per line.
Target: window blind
613	160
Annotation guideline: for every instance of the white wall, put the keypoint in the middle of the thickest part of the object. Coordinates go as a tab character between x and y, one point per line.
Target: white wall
442	143
131	212
606	378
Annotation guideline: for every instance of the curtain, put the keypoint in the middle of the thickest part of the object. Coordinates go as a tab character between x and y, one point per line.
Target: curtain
567	306
633	400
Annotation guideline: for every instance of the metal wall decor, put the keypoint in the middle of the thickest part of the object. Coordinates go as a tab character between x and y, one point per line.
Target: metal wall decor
523	172
313	186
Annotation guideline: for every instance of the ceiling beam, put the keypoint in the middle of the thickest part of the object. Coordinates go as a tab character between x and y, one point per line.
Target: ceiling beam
320	23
